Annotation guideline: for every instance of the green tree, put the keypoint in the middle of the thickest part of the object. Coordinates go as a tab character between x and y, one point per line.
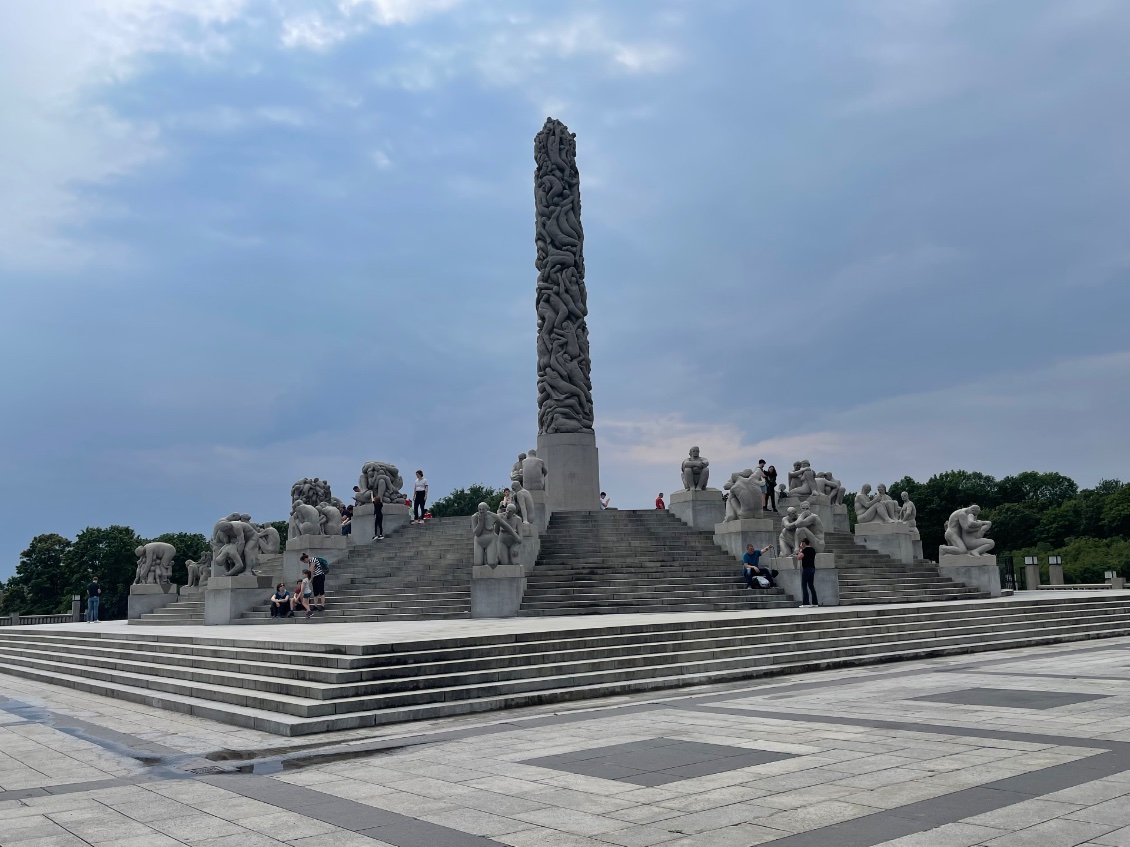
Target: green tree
283	528
1037	489
41	585
464	501
1014	524
190	545
1116	512
106	553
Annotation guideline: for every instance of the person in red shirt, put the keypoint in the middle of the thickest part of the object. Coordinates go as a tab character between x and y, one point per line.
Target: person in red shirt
659	501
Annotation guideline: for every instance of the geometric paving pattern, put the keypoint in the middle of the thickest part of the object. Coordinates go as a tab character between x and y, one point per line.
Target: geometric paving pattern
1008	698
657	761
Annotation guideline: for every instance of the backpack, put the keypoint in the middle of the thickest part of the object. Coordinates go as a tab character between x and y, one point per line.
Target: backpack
325	565
762	581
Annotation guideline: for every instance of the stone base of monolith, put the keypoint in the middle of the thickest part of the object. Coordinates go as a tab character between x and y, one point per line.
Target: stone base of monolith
228	597
698	509
916	542
530	548
826	580
149	597
573	481
496	592
332	548
735	535
890	539
978	572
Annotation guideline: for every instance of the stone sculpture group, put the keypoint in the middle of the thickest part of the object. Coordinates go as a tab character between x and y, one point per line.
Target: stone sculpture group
965	534
154	563
797	526
495	535
237	542
380	481
745	497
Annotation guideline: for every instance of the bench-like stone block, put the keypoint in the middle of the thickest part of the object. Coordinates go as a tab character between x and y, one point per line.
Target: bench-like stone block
733	536
147	598
698	509
978	572
228	597
497	592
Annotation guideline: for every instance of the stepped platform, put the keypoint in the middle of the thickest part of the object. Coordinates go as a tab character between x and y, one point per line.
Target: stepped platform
348	676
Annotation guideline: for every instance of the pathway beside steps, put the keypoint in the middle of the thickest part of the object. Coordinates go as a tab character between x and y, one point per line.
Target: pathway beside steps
348	676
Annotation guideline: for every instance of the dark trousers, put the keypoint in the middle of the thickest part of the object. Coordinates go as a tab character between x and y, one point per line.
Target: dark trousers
418	506
770	497
807	583
280	610
379	520
319	585
752	583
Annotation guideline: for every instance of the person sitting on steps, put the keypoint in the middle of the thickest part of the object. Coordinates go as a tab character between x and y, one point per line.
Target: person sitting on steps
280	602
752	568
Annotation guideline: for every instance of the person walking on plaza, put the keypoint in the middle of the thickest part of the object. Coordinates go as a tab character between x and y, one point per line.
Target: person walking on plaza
807	556
420	495
752	568
280	602
319	567
92	594
659	502
770	487
302	594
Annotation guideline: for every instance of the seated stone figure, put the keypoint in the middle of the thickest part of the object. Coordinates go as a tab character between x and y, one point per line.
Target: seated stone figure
268	538
908	512
871	508
198	572
304	520
965	534
888	505
507	534
745	496
533	472
787	540
825	483
695	471
516	469
524	501
802	479
329	519
809	526
482	535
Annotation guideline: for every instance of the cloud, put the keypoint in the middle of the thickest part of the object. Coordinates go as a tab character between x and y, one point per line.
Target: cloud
350	18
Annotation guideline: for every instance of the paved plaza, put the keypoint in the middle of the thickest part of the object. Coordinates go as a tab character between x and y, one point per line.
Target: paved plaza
1025	747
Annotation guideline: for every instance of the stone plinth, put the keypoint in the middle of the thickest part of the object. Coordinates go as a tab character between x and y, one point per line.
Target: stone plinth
978	572
364	523
1055	574
916	543
542	511
192	590
529	549
1031	577
496	592
826	580
698	509
840	521
891	539
228	597
332	548
573	482
149	597
735	535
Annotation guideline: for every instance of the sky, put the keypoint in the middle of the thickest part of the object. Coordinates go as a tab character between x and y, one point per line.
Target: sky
244	242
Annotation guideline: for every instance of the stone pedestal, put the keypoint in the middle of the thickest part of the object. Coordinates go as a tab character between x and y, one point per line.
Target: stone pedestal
332	548
1117	583
542	510
698	509
1055	574
840	521
916	543
735	535
193	590
826	580
978	572
1031	577
228	597
396	515
149	597
891	539
573	481
530	548
497	592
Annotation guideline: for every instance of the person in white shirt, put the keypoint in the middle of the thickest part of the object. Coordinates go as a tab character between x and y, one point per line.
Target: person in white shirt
605	500
420	497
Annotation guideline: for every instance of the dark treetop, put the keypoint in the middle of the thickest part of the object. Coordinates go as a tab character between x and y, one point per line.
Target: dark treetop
564	387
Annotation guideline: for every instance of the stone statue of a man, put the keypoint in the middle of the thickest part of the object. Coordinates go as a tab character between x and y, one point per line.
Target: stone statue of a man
695	471
908	512
534	472
745	496
329	519
965	534
787	541
871	508
482	536
802	479
507	534
808	525
304	520
516	469
524	501
825	483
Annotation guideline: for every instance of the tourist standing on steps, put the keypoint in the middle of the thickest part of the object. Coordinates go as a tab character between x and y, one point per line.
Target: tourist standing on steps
420	494
378	518
770	487
807	556
659	502
280	602
319	567
302	593
752	568
605	501
92	593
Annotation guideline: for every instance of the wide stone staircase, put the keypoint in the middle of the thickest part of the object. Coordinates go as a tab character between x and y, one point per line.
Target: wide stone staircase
291	688
608	562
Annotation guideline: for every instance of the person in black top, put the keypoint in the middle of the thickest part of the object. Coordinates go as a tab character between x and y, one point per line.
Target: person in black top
770	487
807	556
92	594
280	602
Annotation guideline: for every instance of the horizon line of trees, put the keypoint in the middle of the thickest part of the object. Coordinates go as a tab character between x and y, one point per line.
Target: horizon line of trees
1033	513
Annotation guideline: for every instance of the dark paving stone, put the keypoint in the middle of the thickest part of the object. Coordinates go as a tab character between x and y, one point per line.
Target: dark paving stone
1008	698
657	761
414	833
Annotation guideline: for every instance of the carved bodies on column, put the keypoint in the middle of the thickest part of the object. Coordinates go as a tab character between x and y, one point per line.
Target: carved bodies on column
564	385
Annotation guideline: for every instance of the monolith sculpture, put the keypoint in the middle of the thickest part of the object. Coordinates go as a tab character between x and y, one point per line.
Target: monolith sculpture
566	441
